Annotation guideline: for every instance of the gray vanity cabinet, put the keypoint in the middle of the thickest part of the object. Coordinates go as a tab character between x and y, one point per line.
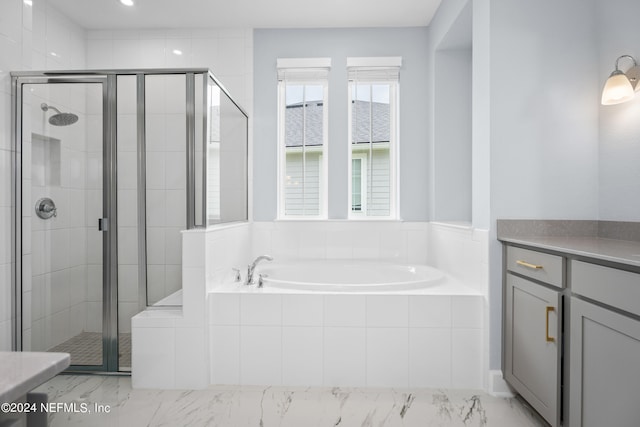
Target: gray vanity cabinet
605	347
533	329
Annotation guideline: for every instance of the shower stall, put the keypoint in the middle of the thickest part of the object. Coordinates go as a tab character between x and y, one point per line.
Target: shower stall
110	166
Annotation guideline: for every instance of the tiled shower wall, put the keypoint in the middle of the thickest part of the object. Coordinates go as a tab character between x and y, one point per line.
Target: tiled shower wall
29	36
229	54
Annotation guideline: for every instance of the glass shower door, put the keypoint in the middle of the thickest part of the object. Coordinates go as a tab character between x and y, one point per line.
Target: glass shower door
64	220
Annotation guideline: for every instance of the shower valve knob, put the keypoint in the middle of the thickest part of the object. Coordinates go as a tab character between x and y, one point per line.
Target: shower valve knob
45	208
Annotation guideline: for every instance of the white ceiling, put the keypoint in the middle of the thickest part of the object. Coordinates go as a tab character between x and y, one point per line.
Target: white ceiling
149	14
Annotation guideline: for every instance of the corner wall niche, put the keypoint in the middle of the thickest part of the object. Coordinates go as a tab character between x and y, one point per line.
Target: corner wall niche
452	124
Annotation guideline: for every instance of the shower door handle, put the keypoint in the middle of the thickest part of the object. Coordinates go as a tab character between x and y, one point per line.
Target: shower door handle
103	224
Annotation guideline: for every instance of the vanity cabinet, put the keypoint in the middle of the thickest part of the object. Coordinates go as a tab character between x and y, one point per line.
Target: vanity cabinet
605	346
533	328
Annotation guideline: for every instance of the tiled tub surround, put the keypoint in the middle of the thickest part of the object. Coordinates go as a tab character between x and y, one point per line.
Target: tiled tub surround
230	334
425	338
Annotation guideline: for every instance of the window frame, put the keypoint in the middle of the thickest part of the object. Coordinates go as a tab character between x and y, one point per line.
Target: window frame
394	146
282	152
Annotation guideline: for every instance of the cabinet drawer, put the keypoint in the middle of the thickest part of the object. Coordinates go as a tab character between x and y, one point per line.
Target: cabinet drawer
617	288
537	265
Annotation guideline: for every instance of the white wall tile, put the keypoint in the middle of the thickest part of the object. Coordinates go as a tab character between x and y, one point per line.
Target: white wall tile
467	312
176	215
339	245
126	310
430	357
345	310
155	245
261	355
5	292
313	245
366	244
128	245
128	283
430	311
59	290
193	249
78	285
192	359
155	170
302	356
152	53
153	358
344	357
225	354
387	311
5	335
260	309
387	357
466	358
224	309
302	310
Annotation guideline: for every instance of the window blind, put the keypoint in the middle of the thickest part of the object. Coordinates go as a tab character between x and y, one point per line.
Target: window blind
381	69
303	69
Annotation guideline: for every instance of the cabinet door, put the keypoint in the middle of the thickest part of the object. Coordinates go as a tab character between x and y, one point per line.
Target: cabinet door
605	367
532	344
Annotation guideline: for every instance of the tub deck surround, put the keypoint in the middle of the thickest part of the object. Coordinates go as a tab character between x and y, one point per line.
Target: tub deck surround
429	337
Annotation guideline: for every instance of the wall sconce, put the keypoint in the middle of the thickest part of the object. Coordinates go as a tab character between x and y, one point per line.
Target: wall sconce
621	86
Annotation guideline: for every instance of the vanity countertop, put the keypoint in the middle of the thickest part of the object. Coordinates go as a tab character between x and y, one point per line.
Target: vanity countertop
612	250
21	372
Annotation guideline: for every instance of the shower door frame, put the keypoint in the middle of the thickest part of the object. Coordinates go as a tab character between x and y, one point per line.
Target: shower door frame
110	362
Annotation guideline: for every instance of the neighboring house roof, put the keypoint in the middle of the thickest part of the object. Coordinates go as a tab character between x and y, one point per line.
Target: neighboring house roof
359	128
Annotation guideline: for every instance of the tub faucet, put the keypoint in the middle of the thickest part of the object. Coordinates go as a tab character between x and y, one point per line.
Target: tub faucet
251	268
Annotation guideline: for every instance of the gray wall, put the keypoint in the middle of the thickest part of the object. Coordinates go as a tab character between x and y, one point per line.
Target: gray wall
338	44
535	103
619	124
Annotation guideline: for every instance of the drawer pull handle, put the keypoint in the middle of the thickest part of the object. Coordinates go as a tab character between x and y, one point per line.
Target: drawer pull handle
529	265
549	310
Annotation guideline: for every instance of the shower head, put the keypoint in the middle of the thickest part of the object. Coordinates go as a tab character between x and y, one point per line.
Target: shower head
59	119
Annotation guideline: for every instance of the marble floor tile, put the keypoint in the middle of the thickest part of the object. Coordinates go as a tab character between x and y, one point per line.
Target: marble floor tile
231	406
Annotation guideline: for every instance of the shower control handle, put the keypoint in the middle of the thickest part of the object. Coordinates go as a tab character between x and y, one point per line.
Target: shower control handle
103	224
46	208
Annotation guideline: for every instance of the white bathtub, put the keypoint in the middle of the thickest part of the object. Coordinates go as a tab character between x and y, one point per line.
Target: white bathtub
348	276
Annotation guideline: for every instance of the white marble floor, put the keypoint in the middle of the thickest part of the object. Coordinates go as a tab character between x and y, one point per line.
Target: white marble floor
229	406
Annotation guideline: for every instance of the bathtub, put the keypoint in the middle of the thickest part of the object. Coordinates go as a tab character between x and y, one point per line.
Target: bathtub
347	276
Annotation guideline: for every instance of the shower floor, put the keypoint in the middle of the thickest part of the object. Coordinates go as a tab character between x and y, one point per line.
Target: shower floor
86	349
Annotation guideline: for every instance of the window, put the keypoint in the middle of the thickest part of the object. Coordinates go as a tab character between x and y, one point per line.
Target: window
373	140
302	137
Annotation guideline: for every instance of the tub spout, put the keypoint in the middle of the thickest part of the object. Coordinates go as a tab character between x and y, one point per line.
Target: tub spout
251	268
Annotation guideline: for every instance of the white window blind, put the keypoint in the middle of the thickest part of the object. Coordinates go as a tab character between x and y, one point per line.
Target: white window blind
382	69
294	70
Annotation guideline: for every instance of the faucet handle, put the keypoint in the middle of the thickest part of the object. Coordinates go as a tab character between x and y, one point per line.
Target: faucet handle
237	276
261	279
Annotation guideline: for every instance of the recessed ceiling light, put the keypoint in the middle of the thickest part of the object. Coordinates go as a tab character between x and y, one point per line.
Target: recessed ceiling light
127	2
177	52
28	2
54	54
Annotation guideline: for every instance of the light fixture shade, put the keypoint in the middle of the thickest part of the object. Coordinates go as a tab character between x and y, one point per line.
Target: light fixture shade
617	89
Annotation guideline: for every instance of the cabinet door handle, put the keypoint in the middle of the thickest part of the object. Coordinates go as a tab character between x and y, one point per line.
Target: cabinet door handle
549	310
528	265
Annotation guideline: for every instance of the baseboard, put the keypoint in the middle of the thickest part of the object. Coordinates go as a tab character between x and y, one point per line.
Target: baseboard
498	387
